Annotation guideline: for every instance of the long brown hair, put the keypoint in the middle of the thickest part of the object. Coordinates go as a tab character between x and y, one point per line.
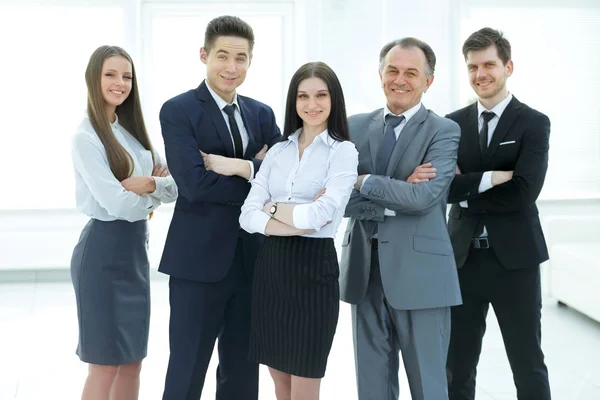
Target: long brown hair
129	113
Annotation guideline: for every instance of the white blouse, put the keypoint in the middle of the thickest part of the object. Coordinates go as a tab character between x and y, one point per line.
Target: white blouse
98	193
282	177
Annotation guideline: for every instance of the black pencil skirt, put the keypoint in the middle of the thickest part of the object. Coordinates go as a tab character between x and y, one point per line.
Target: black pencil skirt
295	304
109	270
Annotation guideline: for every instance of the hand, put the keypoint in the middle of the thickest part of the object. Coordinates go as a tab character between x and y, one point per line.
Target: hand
423	173
458	172
139	184
262	153
219	164
500	177
160	170
359	182
321	193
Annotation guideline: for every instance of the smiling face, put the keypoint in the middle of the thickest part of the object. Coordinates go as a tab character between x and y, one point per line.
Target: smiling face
115	82
227	62
488	75
404	78
313	103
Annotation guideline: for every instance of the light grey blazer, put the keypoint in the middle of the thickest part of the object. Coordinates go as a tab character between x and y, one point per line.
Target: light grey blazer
415	255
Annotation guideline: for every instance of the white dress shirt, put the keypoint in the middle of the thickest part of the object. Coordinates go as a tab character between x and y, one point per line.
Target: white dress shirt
486	179
408	114
283	177
98	193
238	119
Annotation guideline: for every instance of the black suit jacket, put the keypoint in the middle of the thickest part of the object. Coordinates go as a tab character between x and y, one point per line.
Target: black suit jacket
507	210
204	230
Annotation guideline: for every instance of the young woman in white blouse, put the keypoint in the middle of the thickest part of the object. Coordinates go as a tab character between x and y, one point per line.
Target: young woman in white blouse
119	181
297	200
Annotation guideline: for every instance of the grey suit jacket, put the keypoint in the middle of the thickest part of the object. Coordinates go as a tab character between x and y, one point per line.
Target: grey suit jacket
415	254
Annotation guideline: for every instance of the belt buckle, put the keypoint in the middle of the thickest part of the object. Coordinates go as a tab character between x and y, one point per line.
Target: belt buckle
481	243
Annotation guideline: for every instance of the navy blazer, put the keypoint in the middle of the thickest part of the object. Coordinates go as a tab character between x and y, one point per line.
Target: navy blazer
204	230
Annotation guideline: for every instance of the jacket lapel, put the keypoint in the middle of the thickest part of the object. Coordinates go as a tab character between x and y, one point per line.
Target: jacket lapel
375	132
212	110
470	134
253	129
408	133
507	119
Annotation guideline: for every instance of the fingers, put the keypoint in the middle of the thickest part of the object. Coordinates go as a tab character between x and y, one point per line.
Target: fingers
264	149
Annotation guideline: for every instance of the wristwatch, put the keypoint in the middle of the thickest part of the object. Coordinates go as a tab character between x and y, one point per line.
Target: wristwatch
273	210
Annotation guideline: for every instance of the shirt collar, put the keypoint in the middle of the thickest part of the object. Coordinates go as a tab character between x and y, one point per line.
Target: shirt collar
408	114
498	109
323	136
220	102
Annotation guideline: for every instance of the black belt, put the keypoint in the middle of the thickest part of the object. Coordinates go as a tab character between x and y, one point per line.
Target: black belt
480	243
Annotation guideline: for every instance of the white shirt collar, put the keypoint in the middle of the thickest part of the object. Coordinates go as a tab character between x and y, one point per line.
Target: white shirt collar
220	102
408	114
498	109
323	136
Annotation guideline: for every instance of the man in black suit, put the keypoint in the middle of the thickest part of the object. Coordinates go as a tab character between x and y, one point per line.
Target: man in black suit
494	225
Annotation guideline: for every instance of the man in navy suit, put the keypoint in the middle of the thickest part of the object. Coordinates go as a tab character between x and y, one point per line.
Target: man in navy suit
214	140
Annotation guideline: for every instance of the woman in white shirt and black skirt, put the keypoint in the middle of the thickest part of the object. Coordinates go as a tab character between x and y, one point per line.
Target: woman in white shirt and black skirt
297	200
119	181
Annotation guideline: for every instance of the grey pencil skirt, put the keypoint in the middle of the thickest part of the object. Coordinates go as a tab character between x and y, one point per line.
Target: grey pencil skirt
109	270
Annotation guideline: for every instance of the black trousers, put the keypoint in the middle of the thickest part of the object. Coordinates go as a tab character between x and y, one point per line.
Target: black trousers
517	301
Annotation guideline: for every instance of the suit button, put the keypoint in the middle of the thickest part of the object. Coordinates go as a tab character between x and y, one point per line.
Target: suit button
468	193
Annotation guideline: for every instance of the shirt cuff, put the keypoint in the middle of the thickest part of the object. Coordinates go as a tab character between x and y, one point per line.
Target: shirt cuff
162	183
251	171
389	213
259	222
364	180
464	204
486	182
300	217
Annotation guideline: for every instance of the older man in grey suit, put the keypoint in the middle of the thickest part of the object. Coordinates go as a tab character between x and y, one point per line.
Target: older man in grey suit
397	267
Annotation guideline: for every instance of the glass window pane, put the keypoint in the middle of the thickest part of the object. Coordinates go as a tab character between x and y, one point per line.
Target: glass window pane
548	48
172	53
44	97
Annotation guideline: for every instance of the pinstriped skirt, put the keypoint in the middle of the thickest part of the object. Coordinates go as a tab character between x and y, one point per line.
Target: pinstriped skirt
295	304
109	270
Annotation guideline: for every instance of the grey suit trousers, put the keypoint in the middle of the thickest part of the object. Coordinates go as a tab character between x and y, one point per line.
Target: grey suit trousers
381	332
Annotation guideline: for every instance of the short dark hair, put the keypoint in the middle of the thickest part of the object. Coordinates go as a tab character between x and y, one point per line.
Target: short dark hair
406	43
337	123
486	37
227	25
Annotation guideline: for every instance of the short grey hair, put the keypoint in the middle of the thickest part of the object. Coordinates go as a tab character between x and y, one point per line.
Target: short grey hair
407	43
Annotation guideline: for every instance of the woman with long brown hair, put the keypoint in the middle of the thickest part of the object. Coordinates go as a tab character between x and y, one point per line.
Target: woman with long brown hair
119	181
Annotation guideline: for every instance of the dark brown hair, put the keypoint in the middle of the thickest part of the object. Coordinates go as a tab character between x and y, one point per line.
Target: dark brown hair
227	25
337	123
486	37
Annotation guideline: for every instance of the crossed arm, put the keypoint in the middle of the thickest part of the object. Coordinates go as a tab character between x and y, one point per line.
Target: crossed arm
523	186
419	192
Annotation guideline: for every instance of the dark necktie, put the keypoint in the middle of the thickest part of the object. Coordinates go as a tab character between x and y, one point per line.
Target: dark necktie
483	146
483	134
235	131
387	143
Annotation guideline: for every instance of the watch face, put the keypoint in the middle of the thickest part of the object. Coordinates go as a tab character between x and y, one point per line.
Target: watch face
273	209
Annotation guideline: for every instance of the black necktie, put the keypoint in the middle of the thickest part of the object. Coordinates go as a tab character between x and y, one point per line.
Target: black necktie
235	131
483	134
483	145
384	152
